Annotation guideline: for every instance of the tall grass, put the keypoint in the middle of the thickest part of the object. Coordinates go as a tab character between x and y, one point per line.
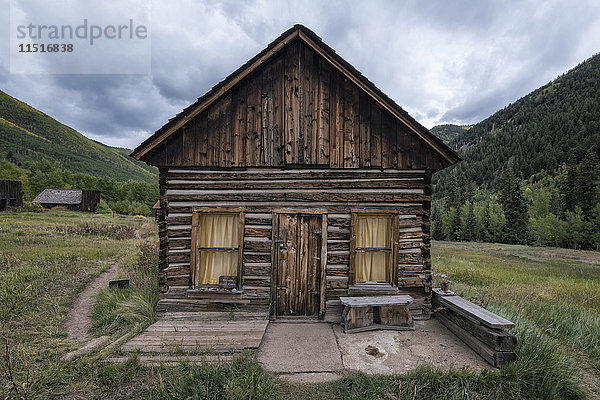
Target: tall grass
41	271
130	309
555	302
242	378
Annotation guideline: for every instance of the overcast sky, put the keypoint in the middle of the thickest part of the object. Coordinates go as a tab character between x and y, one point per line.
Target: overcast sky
442	61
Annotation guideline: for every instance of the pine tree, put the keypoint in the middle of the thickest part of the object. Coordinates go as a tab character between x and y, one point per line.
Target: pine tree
515	207
437	231
568	185
463	189
586	185
455	233
485	224
454	191
470	232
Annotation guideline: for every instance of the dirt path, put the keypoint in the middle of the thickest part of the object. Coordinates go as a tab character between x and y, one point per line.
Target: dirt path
79	320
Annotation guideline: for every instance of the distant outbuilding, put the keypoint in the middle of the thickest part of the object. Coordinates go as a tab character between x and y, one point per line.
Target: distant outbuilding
73	199
11	194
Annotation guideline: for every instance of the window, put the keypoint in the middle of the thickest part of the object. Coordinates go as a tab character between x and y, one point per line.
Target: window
373	248
217	236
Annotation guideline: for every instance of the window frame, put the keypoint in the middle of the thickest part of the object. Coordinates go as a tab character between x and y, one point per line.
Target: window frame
195	250
392	274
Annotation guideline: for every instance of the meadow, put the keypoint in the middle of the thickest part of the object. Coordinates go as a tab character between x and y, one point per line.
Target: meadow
46	258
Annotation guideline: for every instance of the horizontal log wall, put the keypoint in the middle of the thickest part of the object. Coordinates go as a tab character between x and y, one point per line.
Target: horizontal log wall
296	110
260	190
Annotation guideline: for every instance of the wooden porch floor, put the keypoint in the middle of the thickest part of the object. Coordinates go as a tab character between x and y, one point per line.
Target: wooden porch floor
200	332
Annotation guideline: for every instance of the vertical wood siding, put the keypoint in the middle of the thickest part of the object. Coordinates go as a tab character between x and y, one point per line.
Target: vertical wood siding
296	110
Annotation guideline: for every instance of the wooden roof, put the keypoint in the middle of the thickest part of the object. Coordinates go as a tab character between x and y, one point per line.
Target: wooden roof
59	196
297	32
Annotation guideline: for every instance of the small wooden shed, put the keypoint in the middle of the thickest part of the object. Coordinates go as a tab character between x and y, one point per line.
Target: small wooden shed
73	199
11	194
293	182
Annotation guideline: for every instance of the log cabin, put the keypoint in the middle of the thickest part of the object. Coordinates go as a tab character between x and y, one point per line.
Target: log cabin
73	199
291	183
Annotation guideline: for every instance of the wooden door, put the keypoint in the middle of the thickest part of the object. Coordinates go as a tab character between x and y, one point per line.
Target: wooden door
298	261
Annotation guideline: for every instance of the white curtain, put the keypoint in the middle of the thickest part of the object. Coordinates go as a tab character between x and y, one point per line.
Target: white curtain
373	231
218	231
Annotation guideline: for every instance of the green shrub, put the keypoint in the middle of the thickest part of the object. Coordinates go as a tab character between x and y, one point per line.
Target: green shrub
30	207
128	207
103	208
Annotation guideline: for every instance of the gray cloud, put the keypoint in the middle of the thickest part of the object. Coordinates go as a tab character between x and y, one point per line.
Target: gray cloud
444	62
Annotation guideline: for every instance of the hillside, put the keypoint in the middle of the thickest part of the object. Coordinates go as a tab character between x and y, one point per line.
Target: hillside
27	135
449	132
549	126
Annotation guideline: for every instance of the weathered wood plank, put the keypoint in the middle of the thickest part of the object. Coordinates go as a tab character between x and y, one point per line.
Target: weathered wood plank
323	112
267	117
225	132
495	358
337	122
475	312
364	130
305	133
375	135
278	110
497	339
291	104
239	127
253	121
351	151
376	301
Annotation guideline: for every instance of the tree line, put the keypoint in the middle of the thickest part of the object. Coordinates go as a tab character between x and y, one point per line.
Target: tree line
123	197
559	209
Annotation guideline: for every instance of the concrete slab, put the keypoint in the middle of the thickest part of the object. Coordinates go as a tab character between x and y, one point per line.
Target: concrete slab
300	348
388	352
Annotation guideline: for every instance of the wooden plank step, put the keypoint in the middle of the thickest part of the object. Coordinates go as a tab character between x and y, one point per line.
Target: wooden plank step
474	312
204	343
164	360
375	301
214	316
186	348
189	335
245	324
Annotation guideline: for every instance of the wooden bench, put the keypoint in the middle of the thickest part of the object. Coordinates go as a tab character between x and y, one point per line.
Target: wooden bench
481	329
366	313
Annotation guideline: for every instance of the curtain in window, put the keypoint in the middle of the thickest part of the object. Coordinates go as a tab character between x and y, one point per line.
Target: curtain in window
373	231
218	231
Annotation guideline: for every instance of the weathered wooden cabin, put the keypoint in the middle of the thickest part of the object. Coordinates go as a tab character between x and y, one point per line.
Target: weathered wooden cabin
11	194
73	199
293	182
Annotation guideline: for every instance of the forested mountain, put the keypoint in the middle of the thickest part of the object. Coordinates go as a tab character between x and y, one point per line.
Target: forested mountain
531	171
28	135
554	124
449	132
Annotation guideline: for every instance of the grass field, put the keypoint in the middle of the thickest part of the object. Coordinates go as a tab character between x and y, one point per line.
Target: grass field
46	259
